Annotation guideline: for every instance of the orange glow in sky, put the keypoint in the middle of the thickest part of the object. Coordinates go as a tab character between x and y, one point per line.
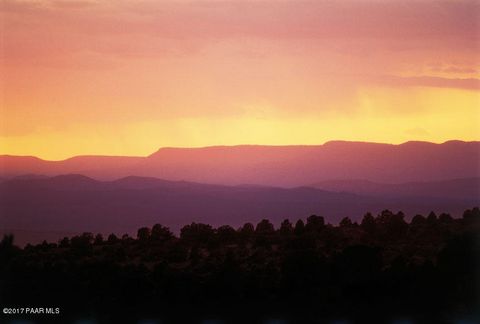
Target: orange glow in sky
124	77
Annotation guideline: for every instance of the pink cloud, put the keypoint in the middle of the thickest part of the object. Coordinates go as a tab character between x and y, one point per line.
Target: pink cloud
269	19
429	81
373	34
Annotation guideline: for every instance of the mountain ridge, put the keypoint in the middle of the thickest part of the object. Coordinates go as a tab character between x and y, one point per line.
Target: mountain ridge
284	166
234	146
76	203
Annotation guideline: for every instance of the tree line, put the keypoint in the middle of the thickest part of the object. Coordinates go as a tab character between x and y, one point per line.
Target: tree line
382	267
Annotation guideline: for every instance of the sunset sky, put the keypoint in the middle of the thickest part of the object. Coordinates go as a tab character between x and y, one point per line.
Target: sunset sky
121	77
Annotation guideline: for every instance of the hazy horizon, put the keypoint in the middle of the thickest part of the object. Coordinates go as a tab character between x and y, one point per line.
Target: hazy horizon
240	145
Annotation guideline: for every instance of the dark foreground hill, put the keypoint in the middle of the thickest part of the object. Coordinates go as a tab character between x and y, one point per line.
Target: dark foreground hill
37	208
380	270
283	166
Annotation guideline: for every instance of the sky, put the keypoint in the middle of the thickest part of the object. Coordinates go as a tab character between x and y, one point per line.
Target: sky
125	77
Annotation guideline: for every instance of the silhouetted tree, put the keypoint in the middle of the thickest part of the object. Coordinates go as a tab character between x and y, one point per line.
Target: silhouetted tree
315	223
161	233
65	242
226	234
112	238
368	223
247	230
418	220
7	248
98	239
264	227
197	232
346	222
393	225
143	234
321	273
286	228
445	218
472	215
432	218
82	244
7	241
299	227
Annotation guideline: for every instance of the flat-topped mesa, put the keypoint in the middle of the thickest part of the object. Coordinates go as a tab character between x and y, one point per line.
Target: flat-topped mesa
288	166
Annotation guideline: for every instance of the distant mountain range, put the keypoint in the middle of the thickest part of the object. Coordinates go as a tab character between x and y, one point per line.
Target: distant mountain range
37	208
234	184
283	166
462	189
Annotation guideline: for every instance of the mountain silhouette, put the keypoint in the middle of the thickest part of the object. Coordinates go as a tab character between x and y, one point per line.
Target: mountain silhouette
76	203
468	188
284	166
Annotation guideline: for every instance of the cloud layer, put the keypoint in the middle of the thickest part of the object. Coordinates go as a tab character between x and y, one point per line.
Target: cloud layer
90	67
